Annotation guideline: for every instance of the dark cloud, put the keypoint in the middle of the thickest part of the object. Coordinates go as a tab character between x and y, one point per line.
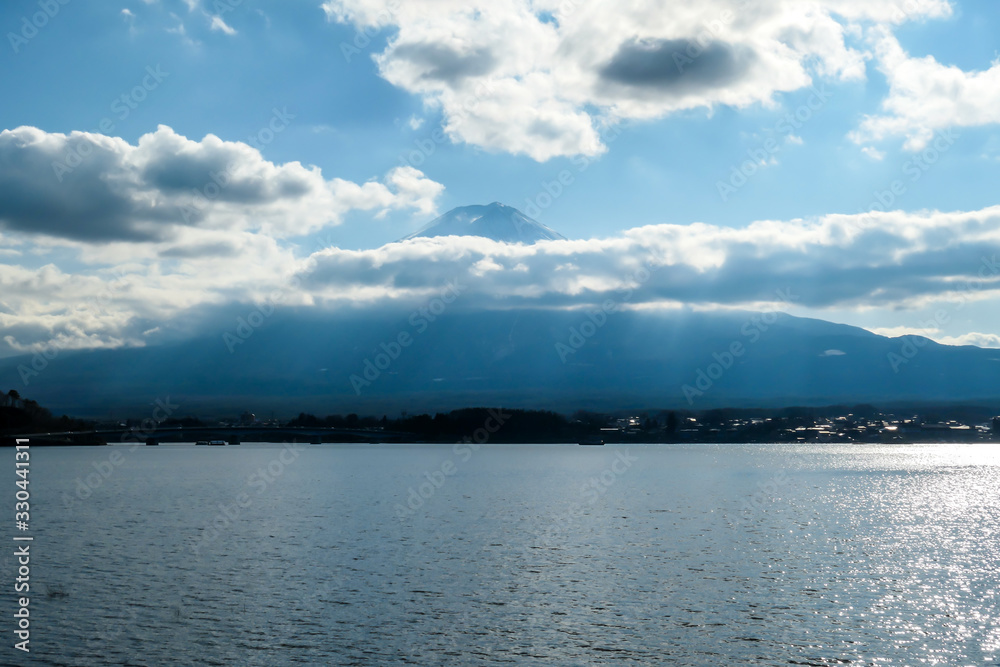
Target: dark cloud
442	63
544	129
220	249
40	194
676	65
92	188
185	173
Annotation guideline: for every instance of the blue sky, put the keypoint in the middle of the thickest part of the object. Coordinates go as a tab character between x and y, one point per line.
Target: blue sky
370	92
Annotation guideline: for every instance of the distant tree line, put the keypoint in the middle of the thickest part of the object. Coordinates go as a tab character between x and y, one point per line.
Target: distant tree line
509	425
24	415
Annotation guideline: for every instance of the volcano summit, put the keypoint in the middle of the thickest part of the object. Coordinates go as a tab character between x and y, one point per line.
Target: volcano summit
495	221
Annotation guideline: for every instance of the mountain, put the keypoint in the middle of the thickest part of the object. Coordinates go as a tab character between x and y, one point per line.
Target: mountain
559	360
495	221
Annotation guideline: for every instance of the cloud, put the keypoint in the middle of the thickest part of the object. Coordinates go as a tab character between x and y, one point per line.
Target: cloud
414	190
217	23
989	340
442	63
542	78
117	292
198	223
87	205
973	338
889	260
664	64
896	332
181	30
926	96
92	188
126	266
873	153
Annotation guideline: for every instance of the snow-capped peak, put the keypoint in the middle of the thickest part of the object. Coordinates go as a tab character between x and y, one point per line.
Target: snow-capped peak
494	221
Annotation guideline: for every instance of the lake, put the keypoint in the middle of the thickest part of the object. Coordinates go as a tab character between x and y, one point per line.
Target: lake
513	554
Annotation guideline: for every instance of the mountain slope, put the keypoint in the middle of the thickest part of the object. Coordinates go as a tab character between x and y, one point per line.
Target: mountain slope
530	358
494	221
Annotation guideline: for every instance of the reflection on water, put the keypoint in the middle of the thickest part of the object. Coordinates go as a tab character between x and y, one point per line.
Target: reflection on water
689	555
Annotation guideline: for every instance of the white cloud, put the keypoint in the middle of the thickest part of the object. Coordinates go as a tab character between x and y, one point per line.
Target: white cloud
542	77
414	190
873	153
972	338
926	96
891	260
181	31
896	332
93	188
217	23
240	243
200	222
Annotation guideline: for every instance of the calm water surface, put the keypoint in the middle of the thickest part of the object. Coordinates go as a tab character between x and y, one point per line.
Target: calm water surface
414	554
